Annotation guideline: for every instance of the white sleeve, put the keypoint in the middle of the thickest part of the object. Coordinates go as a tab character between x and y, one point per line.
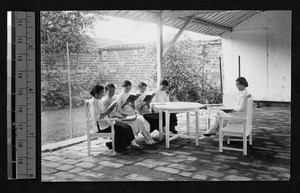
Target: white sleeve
154	99
138	103
167	99
94	110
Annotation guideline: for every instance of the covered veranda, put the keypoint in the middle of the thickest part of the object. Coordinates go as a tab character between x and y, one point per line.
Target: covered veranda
269	156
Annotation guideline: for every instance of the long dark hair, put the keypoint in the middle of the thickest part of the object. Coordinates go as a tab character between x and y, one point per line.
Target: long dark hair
96	89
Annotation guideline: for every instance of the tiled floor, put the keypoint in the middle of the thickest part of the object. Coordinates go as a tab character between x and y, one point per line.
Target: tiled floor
268	158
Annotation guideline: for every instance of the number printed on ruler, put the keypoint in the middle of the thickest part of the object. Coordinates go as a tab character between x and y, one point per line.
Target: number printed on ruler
25	111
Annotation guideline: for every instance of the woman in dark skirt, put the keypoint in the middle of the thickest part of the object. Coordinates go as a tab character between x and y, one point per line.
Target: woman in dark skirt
143	108
123	132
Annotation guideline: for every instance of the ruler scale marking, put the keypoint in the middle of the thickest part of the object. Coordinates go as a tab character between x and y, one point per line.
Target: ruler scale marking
23	104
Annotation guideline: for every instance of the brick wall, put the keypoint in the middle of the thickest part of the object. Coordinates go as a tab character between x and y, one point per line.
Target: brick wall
114	64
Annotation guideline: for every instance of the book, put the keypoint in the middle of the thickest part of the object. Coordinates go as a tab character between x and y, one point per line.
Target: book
149	97
112	106
132	98
129	118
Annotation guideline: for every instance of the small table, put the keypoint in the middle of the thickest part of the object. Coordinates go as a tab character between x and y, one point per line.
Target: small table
177	107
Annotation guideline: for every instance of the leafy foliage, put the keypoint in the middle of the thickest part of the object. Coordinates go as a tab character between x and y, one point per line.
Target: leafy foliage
55	93
184	69
58	28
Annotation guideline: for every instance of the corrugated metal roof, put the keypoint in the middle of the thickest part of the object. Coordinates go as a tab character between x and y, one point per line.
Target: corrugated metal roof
213	22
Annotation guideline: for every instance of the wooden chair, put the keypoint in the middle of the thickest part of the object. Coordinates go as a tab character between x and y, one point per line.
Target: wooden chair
243	130
91	125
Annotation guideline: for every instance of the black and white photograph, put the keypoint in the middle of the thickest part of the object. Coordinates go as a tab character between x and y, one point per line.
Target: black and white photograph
218	88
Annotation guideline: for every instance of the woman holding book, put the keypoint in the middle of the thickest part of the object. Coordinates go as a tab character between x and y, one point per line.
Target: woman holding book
142	105
123	134
110	104
126	107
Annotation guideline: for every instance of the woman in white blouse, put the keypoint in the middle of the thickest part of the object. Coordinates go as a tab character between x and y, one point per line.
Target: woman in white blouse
126	107
162	96
238	108
123	135
143	108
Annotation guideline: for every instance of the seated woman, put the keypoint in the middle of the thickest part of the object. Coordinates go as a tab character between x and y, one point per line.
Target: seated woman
238	108
123	135
143	108
107	101
161	96
126	107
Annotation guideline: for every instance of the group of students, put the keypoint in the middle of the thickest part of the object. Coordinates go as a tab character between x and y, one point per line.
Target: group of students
146	118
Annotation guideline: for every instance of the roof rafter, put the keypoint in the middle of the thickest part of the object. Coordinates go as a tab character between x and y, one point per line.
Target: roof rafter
207	24
185	13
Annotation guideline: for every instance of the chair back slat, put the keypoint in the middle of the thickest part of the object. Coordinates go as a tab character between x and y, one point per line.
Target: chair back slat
90	124
249	112
86	109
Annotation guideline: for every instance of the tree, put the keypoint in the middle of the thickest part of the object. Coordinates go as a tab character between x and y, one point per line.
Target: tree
58	28
183	67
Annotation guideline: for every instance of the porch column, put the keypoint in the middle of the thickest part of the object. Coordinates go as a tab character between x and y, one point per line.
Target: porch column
159	48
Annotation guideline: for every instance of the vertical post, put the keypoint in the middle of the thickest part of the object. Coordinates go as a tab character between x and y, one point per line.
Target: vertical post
220	62
239	62
70	94
159	48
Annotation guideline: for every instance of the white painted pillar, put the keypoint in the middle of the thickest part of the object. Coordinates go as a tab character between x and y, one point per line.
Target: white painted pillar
159	48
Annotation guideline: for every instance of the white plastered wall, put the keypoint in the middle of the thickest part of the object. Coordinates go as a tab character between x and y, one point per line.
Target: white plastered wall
263	43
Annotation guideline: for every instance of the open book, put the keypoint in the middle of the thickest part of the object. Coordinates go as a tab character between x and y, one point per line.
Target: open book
132	98
226	109
129	118
149	97
111	106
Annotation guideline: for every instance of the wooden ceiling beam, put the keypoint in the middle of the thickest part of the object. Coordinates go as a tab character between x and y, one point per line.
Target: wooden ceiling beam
178	34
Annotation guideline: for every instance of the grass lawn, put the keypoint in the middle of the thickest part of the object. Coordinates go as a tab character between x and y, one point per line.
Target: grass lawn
55	124
56	127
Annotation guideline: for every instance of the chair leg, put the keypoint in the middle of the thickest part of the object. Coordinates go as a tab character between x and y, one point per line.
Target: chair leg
89	144
113	139
245	145
250	139
220	142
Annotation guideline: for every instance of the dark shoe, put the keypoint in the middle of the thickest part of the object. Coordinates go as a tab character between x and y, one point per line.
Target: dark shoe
173	130
209	134
109	145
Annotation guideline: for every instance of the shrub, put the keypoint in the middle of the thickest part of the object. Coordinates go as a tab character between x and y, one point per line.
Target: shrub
55	93
184	69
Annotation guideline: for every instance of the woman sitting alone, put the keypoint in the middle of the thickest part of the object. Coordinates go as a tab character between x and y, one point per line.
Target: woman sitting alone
238	108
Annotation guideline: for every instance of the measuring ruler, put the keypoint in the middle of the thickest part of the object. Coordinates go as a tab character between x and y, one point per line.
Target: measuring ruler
21	106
